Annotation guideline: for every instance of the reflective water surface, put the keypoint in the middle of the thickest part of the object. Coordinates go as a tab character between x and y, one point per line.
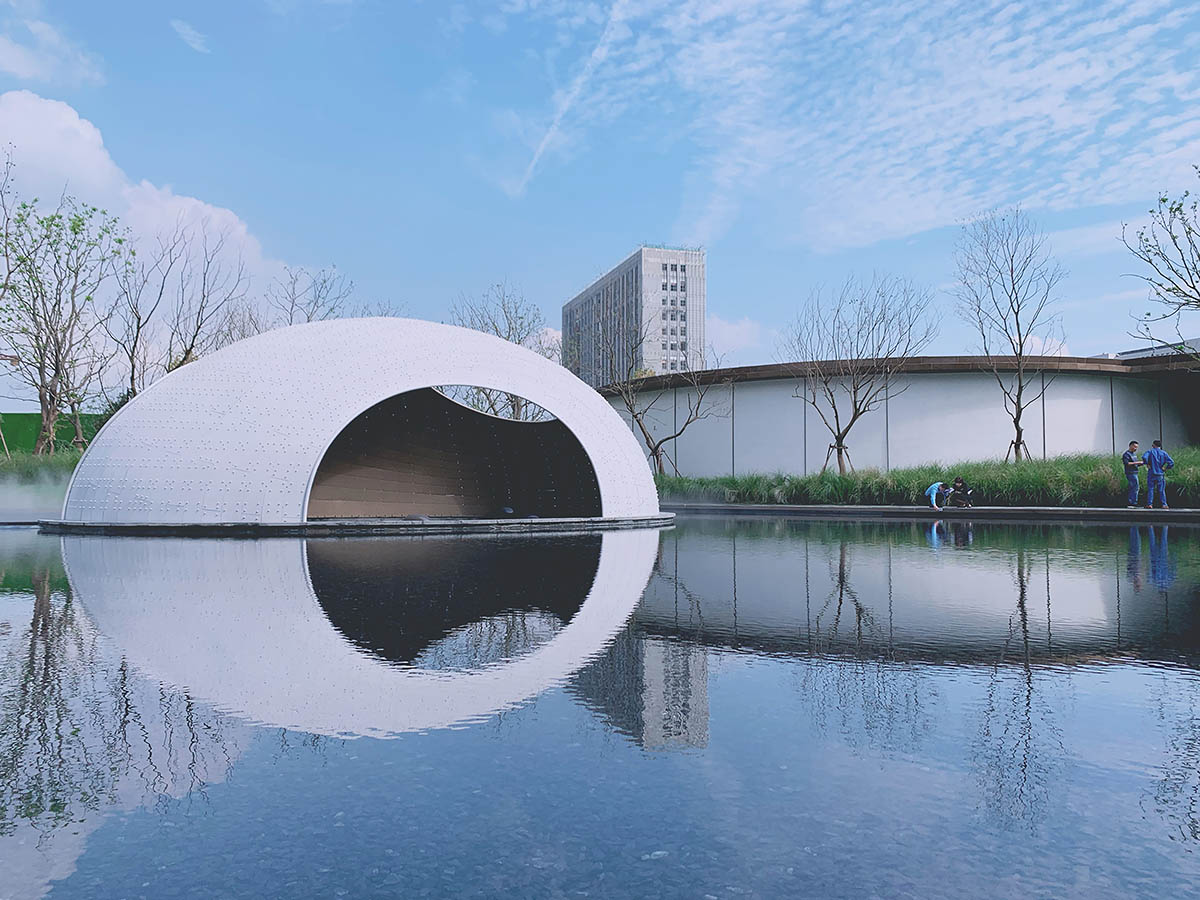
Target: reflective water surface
726	708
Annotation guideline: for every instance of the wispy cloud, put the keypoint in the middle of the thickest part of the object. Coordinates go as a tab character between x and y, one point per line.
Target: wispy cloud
190	36
35	50
1086	240
850	122
566	99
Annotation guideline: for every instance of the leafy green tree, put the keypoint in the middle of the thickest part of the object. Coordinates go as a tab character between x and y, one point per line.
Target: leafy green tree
51	326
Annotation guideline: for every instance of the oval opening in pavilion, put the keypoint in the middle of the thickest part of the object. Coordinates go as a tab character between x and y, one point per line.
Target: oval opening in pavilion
422	453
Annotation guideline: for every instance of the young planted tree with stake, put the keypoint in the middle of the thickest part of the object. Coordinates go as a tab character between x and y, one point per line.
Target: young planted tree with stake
646	398
1007	279
846	349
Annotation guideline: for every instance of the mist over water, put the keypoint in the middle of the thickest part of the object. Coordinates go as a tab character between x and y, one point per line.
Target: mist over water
26	501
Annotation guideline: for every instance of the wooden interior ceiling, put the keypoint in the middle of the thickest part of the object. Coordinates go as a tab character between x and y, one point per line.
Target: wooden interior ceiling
421	453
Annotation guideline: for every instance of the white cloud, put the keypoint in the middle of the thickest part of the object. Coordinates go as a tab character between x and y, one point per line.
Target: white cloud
190	36
55	149
849	123
736	342
34	50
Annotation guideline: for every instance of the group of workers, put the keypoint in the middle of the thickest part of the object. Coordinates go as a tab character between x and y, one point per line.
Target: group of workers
1156	462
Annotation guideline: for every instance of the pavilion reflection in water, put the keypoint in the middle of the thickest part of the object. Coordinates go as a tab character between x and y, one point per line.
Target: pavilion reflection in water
327	636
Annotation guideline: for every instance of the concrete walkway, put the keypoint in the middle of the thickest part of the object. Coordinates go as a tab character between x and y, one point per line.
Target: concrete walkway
974	514
411	525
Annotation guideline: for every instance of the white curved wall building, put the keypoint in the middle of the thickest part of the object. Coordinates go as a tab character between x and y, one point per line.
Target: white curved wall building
338	419
943	409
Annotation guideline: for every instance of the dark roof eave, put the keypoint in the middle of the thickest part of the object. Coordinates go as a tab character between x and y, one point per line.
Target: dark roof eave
1087	365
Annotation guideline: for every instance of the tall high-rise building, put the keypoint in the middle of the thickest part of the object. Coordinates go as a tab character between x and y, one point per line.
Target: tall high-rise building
645	315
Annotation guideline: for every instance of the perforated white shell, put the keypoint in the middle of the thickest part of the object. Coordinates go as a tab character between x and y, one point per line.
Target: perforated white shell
237	436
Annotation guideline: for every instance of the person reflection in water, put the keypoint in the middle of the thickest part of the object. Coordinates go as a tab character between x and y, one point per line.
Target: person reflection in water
1160	562
962	533
937	533
1133	559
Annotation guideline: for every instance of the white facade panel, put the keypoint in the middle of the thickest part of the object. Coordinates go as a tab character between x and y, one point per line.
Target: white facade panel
761	410
1136	401
954	417
1078	415
708	448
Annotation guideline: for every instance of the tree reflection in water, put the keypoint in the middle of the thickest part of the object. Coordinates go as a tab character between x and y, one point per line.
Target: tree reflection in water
854	685
1019	746
79	732
877	620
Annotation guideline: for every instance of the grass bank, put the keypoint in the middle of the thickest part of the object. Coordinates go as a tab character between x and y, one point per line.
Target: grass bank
1062	481
27	468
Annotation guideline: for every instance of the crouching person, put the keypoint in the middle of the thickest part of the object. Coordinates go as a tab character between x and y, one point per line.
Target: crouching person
960	493
935	491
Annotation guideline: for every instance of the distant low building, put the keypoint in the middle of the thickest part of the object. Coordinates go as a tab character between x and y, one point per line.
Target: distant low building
938	409
1190	347
648	310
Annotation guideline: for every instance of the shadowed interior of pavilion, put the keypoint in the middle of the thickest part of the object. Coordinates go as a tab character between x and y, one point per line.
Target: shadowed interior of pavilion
422	453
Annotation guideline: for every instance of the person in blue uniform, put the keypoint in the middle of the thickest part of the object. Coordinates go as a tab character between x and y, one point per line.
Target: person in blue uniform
932	492
1157	462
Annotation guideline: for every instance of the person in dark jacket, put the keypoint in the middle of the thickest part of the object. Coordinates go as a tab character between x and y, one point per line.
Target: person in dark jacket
1157	462
1132	464
960	493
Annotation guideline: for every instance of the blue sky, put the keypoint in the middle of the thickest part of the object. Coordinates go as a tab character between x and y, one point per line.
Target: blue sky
430	148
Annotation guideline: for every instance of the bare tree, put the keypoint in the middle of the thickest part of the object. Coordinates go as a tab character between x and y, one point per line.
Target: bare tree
303	296
242	318
84	362
645	396
506	313
50	322
1007	279
142	286
1169	247
210	281
846	350
7	261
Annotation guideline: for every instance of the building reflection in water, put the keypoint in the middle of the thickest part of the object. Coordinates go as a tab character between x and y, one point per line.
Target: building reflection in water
874	613
110	689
